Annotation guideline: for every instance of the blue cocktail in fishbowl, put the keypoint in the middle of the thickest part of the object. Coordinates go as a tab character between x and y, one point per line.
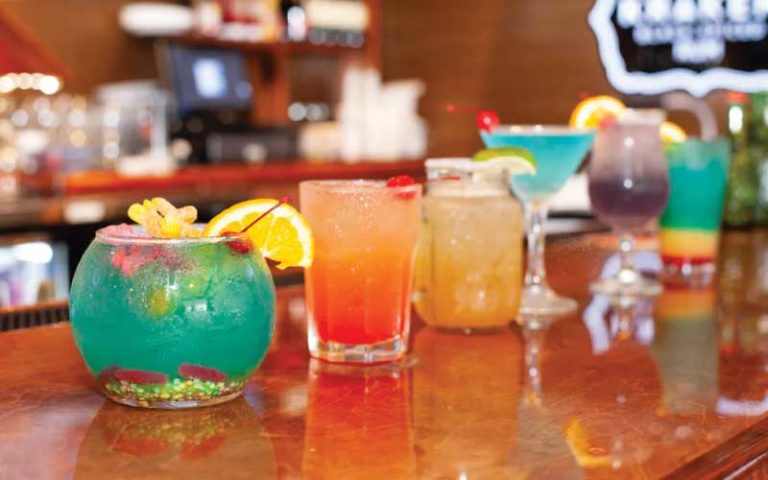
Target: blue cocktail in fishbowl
168	315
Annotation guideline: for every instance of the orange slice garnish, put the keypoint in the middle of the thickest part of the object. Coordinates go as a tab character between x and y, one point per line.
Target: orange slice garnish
593	111
282	235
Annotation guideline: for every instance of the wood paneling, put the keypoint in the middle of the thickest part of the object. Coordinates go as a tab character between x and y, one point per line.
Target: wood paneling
529	60
21	51
85	36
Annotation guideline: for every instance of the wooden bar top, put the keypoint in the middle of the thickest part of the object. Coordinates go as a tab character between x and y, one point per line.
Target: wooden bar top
675	386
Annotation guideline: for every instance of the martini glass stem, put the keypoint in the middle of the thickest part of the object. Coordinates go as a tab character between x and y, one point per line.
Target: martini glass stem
626	246
628	274
536	220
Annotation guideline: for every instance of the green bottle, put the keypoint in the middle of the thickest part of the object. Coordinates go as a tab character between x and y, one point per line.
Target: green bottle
741	197
759	150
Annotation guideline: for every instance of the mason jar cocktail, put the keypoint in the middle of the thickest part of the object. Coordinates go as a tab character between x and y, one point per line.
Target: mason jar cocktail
470	259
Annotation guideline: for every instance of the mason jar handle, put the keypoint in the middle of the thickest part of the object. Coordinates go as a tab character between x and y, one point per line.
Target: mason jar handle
698	107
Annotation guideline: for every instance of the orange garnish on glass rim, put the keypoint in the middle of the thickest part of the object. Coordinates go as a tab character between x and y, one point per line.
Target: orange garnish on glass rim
597	111
593	111
276	228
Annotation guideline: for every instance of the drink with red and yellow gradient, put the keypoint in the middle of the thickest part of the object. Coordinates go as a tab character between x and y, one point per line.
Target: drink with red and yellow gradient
358	289
690	225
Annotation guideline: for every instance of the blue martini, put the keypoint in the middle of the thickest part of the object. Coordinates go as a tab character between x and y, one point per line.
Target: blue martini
558	150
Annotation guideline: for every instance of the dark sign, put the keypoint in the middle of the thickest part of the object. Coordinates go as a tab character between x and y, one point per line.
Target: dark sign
655	46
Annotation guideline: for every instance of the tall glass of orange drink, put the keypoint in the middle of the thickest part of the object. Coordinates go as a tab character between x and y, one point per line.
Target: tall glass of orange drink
358	288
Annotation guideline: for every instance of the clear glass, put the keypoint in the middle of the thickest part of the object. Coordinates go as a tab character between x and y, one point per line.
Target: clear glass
359	286
628	188
134	126
558	150
171	323
690	225
469	266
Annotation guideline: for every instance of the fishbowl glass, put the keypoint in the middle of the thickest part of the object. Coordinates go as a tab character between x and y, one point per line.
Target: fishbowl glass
171	323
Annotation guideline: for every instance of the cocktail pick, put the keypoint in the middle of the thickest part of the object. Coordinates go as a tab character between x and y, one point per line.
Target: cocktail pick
282	201
487	120
241	247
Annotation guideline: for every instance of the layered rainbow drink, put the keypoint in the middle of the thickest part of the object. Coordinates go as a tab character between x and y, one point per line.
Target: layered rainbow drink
690	224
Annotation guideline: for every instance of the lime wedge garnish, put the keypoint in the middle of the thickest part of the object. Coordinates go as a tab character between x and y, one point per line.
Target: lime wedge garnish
513	160
672	133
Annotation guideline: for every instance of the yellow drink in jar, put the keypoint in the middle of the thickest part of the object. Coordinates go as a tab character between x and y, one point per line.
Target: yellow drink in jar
469	264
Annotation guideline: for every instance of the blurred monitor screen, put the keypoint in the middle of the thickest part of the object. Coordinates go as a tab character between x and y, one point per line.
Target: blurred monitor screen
206	79
32	269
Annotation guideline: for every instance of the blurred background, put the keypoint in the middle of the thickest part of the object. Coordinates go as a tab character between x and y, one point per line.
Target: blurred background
529	60
210	102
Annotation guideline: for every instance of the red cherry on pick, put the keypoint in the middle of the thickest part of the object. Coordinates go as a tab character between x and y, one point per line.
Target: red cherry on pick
238	246
487	120
402	181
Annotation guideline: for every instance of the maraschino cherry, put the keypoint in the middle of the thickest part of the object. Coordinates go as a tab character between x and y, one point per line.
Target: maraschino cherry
402	181
487	120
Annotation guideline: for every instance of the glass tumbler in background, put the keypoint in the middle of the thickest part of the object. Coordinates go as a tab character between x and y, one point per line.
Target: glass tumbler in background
628	188
690	225
469	267
359	286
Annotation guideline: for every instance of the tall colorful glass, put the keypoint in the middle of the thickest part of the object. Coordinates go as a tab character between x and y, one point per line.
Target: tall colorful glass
171	323
359	286
690	225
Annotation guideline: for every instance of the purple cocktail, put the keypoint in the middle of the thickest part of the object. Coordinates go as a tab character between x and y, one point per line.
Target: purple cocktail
628	188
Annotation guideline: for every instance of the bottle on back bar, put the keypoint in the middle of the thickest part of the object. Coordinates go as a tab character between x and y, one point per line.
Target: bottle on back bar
759	149
741	197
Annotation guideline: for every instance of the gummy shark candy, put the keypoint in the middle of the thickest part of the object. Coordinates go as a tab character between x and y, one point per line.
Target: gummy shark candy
161	219
199	372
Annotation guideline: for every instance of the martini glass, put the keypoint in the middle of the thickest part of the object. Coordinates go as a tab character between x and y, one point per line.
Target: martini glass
558	151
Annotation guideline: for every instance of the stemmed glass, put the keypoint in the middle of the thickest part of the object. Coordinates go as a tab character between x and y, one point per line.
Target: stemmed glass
628	188
558	151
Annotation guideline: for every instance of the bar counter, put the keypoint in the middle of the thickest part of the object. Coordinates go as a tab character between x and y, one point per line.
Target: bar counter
103	196
674	386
